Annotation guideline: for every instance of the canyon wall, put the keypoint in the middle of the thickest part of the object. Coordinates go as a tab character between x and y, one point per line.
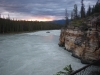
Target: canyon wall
83	42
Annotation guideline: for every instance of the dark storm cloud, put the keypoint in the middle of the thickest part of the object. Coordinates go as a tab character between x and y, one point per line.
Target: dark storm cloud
41	7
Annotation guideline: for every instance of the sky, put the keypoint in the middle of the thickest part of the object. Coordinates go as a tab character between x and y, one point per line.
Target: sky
40	10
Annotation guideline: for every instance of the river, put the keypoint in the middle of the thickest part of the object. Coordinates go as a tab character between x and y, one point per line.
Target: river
34	53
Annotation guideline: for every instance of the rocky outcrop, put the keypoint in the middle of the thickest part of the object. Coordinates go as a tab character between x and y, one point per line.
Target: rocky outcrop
83	42
62	39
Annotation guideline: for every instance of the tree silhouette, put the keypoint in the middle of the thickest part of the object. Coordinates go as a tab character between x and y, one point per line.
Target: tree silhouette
72	15
75	11
89	11
82	10
11	26
66	17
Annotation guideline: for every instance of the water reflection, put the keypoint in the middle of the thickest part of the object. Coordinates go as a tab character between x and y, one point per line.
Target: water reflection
49	37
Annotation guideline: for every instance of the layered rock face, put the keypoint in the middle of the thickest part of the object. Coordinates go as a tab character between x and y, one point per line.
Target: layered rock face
84	44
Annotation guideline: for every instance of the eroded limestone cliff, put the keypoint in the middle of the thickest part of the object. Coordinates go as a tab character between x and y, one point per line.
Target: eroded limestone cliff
83	41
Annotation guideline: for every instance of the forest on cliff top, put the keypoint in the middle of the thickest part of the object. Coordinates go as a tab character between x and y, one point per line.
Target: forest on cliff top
77	18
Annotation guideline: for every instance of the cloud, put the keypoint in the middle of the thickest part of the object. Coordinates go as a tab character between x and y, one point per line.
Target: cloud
28	8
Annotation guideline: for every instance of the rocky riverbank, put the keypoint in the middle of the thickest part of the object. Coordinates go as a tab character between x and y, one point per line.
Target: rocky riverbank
83	41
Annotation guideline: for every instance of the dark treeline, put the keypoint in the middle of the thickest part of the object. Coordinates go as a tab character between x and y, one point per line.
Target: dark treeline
83	14
12	26
78	16
94	9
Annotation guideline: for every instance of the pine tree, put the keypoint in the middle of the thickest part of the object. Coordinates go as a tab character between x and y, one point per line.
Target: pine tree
82	10
93	9
75	11
97	7
66	17
72	15
89	11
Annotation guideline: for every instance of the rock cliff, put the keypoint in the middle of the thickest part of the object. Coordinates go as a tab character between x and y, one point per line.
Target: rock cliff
83	41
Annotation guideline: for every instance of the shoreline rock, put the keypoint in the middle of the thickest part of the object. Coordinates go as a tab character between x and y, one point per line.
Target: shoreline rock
83	43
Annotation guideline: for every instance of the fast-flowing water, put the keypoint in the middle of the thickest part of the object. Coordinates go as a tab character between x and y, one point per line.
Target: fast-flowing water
35	53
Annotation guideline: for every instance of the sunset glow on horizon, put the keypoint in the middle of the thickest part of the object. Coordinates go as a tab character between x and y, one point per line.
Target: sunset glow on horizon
15	16
39	10
41	18
28	17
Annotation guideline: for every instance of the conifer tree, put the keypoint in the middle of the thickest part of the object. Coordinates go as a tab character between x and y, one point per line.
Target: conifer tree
93	9
97	7
72	15
89	11
66	17
75	11
82	10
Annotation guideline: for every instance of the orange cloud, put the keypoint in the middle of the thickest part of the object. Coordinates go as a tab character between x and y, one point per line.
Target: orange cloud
18	16
41	18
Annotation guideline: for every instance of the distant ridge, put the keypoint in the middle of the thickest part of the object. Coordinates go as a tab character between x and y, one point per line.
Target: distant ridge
62	21
59	21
